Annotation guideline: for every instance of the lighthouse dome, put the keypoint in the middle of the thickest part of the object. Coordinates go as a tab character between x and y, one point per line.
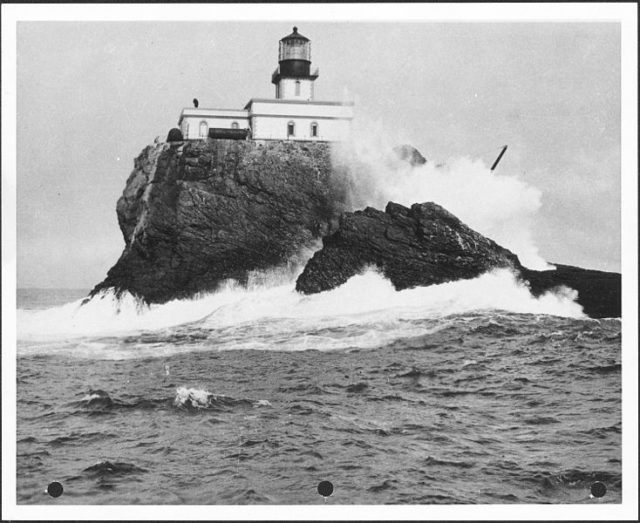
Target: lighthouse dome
296	36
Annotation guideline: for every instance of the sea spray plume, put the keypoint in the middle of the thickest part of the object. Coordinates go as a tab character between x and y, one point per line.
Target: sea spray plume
107	314
498	205
121	313
286	273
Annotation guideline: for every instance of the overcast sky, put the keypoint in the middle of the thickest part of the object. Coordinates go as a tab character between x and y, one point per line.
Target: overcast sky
91	95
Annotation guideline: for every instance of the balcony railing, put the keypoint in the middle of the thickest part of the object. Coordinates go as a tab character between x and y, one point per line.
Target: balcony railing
314	74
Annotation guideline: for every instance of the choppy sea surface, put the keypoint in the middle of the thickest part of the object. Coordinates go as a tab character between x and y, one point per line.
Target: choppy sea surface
470	392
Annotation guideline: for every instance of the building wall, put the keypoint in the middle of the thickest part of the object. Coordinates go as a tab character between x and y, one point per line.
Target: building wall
269	120
260	107
191	125
191	119
287	89
276	128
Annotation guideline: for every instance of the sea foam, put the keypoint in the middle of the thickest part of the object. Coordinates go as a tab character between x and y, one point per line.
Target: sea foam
365	312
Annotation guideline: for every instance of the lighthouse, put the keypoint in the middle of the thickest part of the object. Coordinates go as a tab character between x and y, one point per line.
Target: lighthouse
293	77
293	115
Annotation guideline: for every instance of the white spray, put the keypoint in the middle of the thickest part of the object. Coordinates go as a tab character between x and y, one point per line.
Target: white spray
365	312
498	205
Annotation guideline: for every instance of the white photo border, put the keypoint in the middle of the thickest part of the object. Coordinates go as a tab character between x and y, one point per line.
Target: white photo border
623	13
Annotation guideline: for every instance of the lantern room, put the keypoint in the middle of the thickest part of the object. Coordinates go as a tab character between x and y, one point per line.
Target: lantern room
294	55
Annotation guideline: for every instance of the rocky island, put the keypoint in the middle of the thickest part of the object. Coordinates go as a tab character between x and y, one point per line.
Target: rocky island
196	213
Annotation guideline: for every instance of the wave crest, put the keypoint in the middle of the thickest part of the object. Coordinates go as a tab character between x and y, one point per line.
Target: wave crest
365	312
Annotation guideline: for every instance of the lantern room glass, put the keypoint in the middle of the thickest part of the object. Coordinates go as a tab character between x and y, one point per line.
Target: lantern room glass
294	49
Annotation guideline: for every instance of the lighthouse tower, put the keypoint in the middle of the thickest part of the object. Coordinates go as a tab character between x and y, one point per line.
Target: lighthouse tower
293	77
293	115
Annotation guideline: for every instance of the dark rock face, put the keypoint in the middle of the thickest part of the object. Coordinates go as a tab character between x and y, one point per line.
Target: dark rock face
599	293
193	215
426	245
420	246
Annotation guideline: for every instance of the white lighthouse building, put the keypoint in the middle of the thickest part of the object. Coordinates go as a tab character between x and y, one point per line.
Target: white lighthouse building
293	114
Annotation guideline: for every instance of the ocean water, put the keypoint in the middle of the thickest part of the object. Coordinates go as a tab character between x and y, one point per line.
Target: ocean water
468	392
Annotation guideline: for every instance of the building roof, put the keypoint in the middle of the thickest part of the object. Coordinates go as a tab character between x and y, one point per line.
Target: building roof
295	35
288	101
220	113
209	111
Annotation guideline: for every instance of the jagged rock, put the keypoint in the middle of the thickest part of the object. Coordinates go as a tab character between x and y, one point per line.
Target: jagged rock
599	292
199	213
196	213
409	154
426	245
412	247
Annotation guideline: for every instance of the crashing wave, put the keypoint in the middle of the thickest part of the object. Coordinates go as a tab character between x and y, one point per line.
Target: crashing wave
365	312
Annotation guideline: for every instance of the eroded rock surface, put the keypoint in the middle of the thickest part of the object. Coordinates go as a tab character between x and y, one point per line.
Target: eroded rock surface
196	214
425	245
417	246
599	292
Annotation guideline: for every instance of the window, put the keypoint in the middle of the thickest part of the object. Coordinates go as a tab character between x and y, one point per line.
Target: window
297	87
186	132
204	128
314	129
291	129
234	125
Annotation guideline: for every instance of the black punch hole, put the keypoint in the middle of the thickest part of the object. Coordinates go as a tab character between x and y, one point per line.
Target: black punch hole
325	488
55	489
598	489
